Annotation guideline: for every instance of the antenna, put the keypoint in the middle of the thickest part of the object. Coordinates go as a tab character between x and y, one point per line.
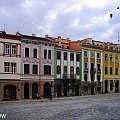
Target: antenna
4	27
118	39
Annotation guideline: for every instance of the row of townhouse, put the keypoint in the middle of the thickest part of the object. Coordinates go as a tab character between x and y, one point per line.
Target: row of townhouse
47	66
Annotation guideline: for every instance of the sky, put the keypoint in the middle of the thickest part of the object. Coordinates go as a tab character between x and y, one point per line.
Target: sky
73	19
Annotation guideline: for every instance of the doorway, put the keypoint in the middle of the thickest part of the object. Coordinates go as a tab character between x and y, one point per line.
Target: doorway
47	90
9	92
59	90
117	86
106	86
34	90
92	89
77	90
26	90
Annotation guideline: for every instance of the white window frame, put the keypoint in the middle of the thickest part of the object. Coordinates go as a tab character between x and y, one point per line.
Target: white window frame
14	49
92	54
7	49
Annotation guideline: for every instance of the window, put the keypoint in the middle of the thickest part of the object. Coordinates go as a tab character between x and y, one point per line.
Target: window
47	70
65	55
85	53
98	55
58	69
7	67
26	52
49	54
106	57
77	57
71	56
13	65
35	69
26	68
111	85
77	71
34	53
85	77
45	54
116	58
92	77
98	66
92	55
14	50
7	49
116	71
58	55
10	67
65	70
85	65
98	78
111	70
111	58
106	70
92	66
71	70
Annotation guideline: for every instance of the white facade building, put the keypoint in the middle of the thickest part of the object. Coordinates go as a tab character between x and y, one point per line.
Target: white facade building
67	71
10	56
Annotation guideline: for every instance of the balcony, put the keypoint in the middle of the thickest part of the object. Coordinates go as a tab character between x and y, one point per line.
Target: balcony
85	70
93	70
99	83
98	71
69	76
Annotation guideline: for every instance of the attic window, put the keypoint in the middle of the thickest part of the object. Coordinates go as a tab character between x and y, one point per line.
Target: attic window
111	48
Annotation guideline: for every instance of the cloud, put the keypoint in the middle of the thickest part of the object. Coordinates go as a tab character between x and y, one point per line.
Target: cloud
75	19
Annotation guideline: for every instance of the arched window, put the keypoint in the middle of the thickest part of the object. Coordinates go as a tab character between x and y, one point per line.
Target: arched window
71	70
77	71
58	69
65	70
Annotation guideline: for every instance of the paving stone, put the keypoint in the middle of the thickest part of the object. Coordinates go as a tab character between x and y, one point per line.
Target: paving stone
97	107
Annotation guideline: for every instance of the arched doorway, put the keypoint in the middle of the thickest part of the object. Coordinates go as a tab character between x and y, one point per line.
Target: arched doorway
26	90
34	90
47	90
9	92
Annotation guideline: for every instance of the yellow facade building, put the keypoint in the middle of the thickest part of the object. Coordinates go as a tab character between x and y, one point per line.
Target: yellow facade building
111	75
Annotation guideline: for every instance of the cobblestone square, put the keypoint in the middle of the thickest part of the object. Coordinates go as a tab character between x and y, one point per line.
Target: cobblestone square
93	107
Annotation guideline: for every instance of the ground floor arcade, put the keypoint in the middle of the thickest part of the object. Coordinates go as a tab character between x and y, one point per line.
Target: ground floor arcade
73	87
111	85
25	89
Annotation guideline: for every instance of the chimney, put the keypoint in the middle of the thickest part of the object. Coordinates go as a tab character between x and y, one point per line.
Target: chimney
59	40
46	36
34	35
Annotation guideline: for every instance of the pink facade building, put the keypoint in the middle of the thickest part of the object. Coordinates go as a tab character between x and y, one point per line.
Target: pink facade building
37	66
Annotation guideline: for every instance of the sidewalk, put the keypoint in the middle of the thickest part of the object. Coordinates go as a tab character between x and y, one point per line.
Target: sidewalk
56	98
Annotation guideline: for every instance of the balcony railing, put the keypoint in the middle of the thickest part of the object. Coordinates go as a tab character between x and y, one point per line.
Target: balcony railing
69	76
99	83
86	70
99	71
93	70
